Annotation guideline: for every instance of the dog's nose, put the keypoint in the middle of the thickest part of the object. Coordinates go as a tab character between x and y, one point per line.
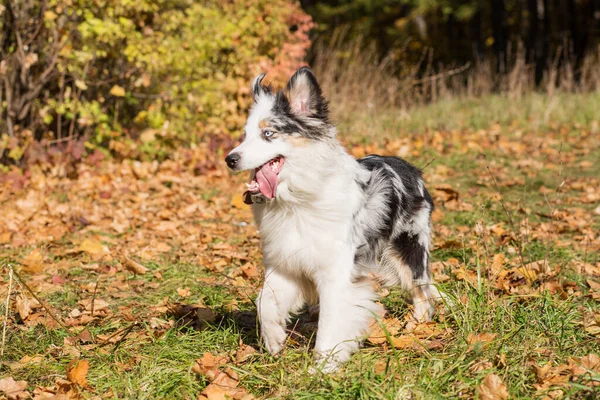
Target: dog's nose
232	160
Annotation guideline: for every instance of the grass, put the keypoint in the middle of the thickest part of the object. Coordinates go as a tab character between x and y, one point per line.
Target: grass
532	327
531	112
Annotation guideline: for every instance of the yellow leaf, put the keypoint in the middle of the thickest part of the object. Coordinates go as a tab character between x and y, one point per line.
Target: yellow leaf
93	247
117	91
238	201
77	371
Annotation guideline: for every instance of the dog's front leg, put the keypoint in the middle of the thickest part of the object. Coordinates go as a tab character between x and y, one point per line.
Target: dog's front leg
346	309
278	297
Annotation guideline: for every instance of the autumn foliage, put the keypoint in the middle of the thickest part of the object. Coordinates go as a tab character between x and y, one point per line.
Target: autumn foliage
110	72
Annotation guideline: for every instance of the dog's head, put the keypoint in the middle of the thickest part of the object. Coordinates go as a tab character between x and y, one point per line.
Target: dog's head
278	123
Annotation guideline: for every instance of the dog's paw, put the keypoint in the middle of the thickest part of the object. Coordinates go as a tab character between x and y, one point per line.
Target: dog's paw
326	365
274	340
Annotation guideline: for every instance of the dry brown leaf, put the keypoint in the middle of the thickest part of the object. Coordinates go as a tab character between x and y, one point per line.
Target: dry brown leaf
184	292
97	304
593	284
249	269
378	335
208	365
25	305
484	338
243	353
542	372
481	365
34	262
48	393
133	265
405	341
492	388
13	389
591	362
77	372
225	386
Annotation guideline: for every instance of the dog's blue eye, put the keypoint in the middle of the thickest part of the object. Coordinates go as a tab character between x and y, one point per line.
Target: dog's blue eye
268	133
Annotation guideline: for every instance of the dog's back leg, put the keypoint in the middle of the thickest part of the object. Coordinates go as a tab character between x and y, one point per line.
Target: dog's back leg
279	296
397	271
406	262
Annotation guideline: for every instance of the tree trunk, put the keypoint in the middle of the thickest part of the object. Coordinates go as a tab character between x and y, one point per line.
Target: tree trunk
500	34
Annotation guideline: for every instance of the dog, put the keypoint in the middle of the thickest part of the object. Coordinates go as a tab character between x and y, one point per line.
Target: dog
329	224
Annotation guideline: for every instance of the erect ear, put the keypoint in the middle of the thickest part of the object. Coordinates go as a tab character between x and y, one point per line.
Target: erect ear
304	94
257	87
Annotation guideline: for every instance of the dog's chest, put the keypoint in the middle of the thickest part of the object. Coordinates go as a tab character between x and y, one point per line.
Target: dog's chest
301	240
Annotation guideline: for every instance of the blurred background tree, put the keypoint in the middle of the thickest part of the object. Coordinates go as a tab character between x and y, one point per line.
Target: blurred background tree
136	77
458	32
118	73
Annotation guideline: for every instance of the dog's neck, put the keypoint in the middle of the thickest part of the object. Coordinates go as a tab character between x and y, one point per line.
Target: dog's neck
316	173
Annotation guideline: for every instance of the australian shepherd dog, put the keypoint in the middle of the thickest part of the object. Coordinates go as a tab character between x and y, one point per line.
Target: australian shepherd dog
330	225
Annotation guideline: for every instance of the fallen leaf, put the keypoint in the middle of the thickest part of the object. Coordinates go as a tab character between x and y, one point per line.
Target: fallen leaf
237	201
591	362
14	389
249	269
379	327
97	304
33	262
243	353
93	247
473	339
593	284
208	365
184	292
77	372
25	305
492	388
133	265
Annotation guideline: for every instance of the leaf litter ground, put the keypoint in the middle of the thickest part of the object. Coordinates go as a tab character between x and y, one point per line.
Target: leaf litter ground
137	279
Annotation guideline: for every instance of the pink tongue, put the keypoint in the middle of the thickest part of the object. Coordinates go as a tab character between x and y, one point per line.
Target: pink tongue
267	181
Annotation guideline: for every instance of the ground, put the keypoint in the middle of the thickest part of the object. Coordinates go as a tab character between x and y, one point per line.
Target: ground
137	280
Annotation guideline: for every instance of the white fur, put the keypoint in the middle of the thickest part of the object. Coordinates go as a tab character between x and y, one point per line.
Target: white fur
308	244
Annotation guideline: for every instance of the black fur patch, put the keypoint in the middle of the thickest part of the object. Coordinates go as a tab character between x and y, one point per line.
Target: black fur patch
314	125
412	253
258	88
285	121
402	205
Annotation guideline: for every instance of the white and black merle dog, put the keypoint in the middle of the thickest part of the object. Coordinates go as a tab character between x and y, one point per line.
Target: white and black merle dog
330	224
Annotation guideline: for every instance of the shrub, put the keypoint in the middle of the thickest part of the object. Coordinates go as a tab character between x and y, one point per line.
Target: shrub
163	71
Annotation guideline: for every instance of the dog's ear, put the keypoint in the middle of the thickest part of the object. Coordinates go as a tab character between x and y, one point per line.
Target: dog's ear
304	94
257	88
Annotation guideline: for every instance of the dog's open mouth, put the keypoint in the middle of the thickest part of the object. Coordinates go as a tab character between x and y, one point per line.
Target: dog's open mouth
265	180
